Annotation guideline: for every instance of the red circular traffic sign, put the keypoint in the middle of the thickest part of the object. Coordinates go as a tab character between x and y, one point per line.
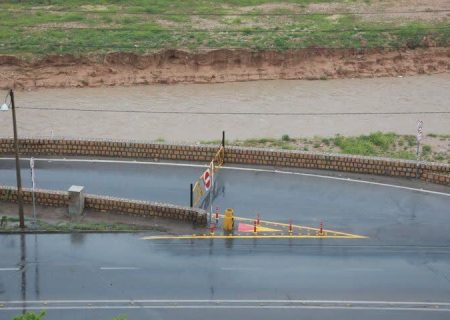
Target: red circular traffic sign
207	179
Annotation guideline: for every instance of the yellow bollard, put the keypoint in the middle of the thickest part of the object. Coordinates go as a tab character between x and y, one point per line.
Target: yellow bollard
228	220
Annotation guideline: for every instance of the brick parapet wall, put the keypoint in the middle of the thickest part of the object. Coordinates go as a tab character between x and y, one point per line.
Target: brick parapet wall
145	209
233	155
48	198
443	179
109	204
106	148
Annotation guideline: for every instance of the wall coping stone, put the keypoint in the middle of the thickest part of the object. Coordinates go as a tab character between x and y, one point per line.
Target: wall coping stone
163	207
233	154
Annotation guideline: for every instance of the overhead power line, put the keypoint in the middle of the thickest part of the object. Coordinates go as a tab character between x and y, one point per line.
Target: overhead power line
237	113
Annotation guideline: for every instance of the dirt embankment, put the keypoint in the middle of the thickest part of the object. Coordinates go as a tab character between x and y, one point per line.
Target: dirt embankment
176	66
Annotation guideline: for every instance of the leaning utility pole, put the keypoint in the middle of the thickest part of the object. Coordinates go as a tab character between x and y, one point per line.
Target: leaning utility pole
16	149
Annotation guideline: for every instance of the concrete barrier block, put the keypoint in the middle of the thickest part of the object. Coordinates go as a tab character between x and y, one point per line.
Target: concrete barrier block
76	200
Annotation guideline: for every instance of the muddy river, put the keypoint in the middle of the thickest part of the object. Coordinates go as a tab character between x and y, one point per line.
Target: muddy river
195	112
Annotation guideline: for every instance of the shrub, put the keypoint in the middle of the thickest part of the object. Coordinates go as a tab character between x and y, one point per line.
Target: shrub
426	149
382	140
411	140
354	145
31	316
285	137
406	155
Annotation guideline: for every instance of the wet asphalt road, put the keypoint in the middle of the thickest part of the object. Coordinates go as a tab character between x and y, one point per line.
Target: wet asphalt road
387	215
405	260
120	269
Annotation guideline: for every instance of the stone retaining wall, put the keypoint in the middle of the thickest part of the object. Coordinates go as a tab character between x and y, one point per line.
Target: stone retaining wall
43	197
109	204
437	178
431	172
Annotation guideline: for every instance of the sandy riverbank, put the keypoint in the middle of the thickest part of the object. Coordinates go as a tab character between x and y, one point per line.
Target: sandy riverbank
216	66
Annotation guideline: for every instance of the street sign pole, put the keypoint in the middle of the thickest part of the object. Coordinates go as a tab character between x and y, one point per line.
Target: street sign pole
33	185
419	137
211	190
191	193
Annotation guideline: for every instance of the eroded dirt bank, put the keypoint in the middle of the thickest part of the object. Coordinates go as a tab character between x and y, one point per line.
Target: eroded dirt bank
176	66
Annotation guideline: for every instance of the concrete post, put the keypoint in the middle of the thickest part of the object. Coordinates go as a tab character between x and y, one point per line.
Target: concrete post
76	200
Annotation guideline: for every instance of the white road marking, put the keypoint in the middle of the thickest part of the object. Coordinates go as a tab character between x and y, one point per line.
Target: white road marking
119	268
241	169
340	179
228	307
256	301
9	269
238	269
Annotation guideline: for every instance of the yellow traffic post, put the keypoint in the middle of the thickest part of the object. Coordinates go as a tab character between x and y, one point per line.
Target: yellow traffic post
228	220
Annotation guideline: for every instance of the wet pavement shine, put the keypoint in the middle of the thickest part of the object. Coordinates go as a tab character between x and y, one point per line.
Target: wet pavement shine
399	272
87	276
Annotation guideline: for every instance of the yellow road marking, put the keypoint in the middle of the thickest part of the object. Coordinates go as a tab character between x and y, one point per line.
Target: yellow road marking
265	229
259	228
311	233
296	226
248	237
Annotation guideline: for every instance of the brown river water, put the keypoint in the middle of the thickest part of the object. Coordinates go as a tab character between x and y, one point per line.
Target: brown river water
195	112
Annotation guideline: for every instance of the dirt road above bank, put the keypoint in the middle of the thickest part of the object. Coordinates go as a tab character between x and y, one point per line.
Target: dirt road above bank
176	66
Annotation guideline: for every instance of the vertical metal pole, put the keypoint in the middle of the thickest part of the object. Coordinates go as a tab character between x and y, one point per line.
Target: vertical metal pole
211	190
419	139
191	195
223	145
18	178
33	187
418	159
34	208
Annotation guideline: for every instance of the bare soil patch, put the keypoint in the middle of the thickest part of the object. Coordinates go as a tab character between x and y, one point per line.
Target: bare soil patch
268	7
216	66
390	10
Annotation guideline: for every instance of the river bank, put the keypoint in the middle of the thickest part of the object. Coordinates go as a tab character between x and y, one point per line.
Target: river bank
218	66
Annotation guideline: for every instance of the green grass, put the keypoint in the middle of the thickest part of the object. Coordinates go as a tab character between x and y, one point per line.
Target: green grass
369	145
379	144
30	315
31	28
77	226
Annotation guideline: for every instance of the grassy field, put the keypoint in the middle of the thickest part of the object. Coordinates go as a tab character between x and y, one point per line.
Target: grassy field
98	26
434	147
66	226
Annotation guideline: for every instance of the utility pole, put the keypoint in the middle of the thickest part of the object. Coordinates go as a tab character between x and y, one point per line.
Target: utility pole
18	178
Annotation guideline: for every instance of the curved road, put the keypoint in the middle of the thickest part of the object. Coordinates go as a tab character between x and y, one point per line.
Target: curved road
400	272
385	214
